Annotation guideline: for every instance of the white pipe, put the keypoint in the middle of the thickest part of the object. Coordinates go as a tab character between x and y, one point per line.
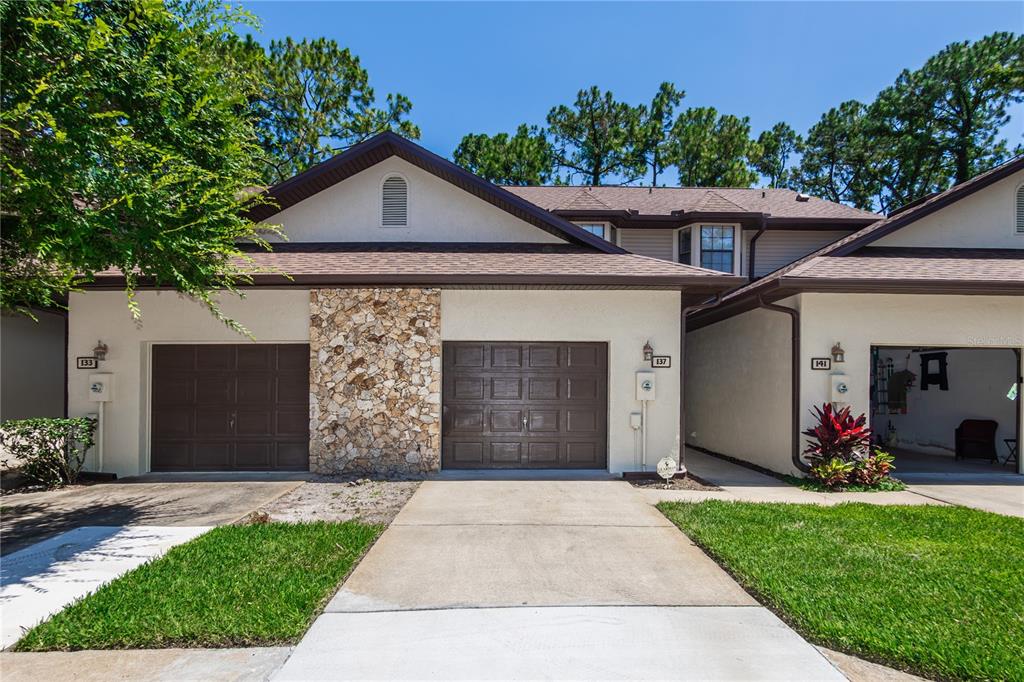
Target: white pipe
99	439
643	435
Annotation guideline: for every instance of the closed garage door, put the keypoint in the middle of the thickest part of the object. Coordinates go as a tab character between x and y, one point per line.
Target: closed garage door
519	405
230	407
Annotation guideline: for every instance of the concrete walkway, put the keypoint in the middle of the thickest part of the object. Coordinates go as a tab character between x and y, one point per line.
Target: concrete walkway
1001	493
552	579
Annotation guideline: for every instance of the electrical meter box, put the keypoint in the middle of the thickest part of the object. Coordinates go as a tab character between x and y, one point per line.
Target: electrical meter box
840	389
101	387
645	386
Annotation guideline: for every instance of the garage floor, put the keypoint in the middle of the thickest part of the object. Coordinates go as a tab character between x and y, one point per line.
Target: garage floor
31	517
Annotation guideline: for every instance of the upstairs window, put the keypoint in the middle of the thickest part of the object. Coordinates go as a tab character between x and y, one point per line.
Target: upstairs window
394	202
686	246
1020	210
597	229
717	247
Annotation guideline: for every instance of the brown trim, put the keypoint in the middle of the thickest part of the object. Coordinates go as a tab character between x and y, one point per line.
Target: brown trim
751	220
903	286
385	145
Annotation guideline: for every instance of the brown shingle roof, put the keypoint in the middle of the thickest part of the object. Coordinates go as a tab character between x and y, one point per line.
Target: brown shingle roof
779	203
464	264
917	264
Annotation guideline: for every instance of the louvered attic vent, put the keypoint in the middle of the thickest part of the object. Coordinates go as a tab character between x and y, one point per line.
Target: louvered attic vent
395	198
1020	210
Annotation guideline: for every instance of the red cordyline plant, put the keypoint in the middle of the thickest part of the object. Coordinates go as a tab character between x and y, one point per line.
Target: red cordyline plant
837	436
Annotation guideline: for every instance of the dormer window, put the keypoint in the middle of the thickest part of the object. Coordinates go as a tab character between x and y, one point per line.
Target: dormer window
394	202
601	230
1020	211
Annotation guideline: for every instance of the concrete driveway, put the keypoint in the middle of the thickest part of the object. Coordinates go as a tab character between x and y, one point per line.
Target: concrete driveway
544	579
153	501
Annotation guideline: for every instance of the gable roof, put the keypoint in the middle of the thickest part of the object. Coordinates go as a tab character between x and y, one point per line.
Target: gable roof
850	264
388	144
780	205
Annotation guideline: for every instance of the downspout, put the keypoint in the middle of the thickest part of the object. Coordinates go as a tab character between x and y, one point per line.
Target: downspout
794	317
753	246
684	311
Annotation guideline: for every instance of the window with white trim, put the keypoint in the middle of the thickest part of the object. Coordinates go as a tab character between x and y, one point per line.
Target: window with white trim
394	210
717	247
1020	211
597	229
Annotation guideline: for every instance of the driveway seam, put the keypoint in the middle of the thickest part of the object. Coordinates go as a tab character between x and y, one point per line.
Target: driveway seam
600	605
265	503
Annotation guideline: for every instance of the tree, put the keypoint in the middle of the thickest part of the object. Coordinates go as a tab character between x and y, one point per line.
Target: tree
596	137
711	150
124	143
316	101
655	128
772	152
525	158
836	163
972	85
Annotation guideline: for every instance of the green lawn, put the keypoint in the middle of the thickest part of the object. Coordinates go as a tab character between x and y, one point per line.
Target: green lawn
251	585
935	590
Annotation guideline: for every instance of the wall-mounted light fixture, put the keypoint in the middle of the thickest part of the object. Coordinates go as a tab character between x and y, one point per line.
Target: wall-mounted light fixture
648	352
100	351
838	354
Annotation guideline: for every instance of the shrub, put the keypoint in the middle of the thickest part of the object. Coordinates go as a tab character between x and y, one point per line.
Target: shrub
837	436
874	468
835	473
50	451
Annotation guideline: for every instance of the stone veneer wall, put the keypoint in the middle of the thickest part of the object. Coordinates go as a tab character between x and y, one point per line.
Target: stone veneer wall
375	381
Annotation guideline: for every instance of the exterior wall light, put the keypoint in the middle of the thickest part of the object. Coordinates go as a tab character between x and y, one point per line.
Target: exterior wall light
100	351
838	354
648	352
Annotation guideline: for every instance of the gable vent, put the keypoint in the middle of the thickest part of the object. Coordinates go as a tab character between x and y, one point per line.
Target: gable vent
395	202
1020	210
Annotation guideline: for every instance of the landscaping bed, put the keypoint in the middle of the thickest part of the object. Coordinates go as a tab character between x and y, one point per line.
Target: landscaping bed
242	585
689	482
342	499
938	591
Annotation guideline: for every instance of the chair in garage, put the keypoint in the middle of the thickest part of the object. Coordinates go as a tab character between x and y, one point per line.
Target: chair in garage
976	438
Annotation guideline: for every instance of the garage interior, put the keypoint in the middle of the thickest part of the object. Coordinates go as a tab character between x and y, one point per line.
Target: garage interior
947	410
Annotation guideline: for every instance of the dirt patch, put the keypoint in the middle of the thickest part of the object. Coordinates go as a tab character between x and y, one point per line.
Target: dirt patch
688	483
342	499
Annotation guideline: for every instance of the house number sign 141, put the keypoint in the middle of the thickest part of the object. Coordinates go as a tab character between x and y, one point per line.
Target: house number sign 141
821	363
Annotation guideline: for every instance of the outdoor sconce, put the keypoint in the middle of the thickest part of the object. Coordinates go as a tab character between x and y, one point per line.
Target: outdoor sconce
100	351
838	354
648	352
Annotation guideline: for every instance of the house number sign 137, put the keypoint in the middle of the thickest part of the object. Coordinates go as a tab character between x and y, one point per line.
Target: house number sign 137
661	361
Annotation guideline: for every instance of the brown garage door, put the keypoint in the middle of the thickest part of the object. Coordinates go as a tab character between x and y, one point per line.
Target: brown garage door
230	407
524	405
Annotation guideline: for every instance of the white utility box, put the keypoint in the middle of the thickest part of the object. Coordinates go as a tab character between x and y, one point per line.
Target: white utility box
101	387
840	389
646	387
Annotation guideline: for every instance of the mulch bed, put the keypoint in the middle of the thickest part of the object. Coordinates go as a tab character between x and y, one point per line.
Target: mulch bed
690	482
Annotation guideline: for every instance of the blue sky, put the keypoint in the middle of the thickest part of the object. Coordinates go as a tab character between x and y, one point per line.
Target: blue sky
488	66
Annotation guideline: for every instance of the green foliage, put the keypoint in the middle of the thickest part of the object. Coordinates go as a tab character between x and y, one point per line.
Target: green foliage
832	473
50	451
654	136
934	590
525	158
124	143
316	100
873	469
712	150
772	152
836	157
246	585
596	137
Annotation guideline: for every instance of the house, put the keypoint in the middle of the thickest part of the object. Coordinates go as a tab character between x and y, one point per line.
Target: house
916	320
419	318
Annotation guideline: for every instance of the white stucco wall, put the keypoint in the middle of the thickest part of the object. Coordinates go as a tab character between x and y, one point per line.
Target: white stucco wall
860	321
979	379
32	366
738	388
272	317
350	211
985	219
623	319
